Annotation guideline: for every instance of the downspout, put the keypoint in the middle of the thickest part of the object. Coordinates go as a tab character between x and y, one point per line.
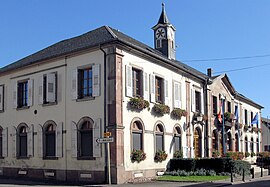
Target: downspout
206	142
105	108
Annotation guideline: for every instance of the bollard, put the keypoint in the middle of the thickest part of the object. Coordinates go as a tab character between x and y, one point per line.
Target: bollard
231	174
243	177
261	171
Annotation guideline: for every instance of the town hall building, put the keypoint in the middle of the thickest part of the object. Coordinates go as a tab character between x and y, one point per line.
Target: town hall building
56	103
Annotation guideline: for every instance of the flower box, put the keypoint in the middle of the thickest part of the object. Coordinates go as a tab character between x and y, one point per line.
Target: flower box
161	109
137	156
138	103
160	156
178	113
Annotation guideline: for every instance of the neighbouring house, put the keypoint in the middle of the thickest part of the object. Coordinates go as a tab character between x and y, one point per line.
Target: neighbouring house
56	103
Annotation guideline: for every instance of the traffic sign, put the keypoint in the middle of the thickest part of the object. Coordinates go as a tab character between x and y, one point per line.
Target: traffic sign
106	134
104	140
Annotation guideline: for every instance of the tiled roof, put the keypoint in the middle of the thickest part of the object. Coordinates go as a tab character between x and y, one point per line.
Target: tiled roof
94	38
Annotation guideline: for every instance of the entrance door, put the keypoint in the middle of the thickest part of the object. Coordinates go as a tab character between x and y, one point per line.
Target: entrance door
197	143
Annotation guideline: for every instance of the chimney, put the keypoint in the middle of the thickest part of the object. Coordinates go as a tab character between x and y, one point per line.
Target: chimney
209	72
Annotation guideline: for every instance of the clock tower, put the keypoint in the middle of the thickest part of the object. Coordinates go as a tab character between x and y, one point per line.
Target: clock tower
164	35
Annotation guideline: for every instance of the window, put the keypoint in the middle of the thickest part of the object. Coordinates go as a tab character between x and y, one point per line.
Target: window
258	145
159	135
251	116
198	101
229	109
159	43
246	144
22	94
137	82
1	142
251	145
177	139
1	98
137	136
159	88
215	105
48	88
246	117
50	140
86	139
85	83
22	142
236	142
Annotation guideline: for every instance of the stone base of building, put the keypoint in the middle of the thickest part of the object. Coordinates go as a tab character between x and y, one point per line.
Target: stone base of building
69	176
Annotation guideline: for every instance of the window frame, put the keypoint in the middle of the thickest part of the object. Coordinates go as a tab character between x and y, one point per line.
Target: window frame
198	101
159	90
137	129
177	135
137	82
81	79
52	134
79	139
44	91
214	104
159	132
22	94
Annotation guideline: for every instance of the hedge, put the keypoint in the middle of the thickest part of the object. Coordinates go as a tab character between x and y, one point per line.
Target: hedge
219	165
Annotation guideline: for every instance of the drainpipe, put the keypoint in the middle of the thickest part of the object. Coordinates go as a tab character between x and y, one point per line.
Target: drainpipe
105	108
206	149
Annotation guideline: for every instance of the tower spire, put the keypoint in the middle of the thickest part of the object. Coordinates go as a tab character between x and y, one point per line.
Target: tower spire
163	19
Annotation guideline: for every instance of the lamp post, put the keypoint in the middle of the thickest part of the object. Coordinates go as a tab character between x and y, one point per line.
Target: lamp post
223	125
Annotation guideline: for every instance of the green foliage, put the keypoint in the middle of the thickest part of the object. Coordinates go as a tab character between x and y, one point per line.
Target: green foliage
252	154
247	154
191	178
178	154
218	165
178	113
245	127
138	103
215	153
160	156
161	109
137	156
228	116
234	155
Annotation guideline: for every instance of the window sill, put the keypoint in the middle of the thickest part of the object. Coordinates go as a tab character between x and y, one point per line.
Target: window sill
23	108
85	99
50	158
86	158
23	157
49	104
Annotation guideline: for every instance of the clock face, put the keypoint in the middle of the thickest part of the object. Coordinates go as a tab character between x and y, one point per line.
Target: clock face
160	33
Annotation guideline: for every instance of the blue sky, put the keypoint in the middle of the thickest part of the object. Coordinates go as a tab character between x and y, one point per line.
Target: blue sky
207	29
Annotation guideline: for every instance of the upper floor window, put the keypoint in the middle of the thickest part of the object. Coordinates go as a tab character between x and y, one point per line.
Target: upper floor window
229	107
246	117
85	82
251	116
47	92
159	87
215	107
198	101
1	98
22	93
137	82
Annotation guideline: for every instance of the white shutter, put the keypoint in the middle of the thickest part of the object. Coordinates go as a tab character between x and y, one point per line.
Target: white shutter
145	86
74	132
193	109
129	90
14	93
30	92
96	135
40	141
40	90
5	142
14	146
30	141
152	85
59	140
176	95
166	92
50	87
74	84
202	102
96	80
1	98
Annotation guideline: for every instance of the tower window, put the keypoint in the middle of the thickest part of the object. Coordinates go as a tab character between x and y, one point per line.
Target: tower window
159	43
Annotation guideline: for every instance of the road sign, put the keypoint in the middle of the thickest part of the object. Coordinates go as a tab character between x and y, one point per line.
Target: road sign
106	134
104	140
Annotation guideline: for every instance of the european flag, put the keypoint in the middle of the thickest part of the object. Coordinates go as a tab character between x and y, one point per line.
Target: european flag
255	119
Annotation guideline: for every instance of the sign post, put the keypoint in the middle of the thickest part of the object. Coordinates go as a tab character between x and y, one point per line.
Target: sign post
107	140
